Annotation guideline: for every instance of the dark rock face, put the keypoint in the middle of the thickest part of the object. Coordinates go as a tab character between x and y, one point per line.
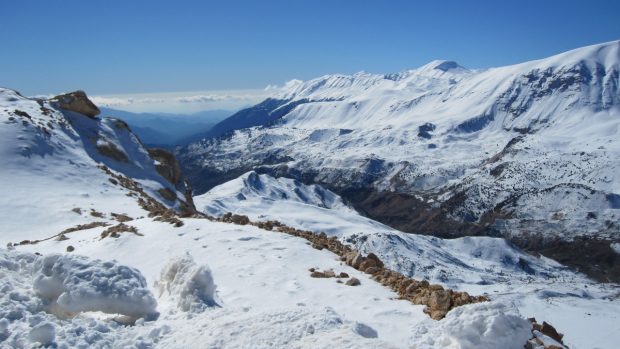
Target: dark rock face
112	151
424	131
77	102
168	166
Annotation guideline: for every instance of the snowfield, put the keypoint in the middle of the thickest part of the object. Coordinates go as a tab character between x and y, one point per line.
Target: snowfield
539	287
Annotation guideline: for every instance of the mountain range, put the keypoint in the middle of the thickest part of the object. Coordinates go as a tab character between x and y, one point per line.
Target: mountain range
439	207
528	152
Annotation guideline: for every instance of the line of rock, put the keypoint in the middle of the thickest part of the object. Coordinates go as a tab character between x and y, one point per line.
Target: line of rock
438	301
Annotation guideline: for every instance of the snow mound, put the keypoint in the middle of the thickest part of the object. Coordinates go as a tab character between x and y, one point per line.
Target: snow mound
26	321
74	284
189	284
481	326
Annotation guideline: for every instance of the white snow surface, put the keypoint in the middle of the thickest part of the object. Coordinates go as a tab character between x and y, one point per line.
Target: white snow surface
477	326
193	285
536	286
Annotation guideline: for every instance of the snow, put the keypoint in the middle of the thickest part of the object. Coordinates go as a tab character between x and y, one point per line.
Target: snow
478	326
43	333
27	320
220	285
74	284
66	157
565	108
192	284
536	286
465	260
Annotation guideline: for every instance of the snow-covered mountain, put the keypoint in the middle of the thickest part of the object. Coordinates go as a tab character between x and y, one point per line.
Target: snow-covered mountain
530	151
92	259
105	248
60	166
536	285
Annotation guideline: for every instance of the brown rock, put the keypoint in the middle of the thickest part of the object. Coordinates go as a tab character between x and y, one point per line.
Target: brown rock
167	165
239	219
435	287
440	300
551	331
374	257
77	102
343	275
438	314
372	270
357	260
368	263
323	274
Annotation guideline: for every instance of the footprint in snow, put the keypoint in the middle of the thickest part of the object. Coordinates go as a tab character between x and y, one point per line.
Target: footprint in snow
247	238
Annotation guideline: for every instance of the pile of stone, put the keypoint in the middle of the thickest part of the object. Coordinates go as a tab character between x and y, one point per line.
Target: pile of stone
544	336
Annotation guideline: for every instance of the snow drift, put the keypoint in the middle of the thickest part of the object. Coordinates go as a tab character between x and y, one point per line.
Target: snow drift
477	326
74	284
189	284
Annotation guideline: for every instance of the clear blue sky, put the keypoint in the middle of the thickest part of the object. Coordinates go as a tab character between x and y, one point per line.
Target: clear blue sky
132	46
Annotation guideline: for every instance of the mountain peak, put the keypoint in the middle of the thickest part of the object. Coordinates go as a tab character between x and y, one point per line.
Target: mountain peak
442	66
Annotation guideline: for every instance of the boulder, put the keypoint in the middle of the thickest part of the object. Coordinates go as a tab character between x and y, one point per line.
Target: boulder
357	261
77	102
378	262
440	300
240	219
353	282
550	331
372	270
368	263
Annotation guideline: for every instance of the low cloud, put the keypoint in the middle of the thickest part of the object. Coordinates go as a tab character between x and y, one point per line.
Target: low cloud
183	101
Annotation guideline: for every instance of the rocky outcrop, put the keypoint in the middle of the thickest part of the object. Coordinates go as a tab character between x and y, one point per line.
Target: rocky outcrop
167	165
78	102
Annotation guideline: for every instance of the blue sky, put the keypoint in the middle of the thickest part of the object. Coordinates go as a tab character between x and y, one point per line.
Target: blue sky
134	46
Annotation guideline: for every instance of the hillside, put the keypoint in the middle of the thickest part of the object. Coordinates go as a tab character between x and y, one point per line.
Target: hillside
529	152
104	250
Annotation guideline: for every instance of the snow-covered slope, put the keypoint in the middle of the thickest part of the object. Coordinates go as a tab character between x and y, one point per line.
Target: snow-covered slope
537	286
51	169
529	151
82	279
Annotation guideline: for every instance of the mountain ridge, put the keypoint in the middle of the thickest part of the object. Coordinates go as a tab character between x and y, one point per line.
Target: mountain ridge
451	153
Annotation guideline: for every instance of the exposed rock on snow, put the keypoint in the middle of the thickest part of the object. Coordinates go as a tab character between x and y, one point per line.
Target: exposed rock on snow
77	102
353	282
